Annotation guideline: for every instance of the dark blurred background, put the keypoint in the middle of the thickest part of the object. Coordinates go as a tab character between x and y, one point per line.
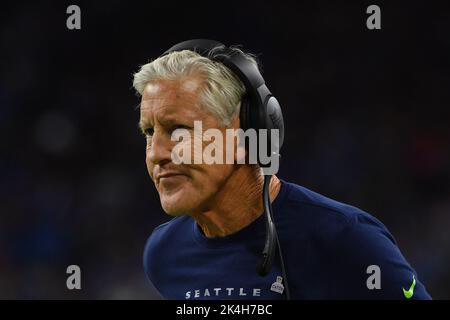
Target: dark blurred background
366	112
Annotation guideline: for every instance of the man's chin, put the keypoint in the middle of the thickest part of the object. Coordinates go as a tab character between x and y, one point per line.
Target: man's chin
175	207
181	201
175	213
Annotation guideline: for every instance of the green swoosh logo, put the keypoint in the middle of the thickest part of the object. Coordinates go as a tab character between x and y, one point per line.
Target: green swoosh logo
408	294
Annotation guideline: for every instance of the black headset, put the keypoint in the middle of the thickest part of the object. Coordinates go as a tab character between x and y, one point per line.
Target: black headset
259	110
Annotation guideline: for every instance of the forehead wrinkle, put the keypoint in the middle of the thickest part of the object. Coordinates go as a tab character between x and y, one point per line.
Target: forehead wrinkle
167	100
180	87
166	115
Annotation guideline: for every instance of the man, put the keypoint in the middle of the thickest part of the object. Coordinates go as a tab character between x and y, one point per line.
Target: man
211	248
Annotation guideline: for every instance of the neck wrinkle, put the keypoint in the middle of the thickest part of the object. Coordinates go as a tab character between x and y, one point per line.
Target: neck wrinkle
237	204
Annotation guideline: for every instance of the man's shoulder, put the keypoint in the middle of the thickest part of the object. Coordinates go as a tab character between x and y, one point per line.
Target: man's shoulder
322	206
323	214
165	230
174	223
163	239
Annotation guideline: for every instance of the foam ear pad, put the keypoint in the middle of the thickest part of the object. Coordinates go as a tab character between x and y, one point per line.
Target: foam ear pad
244	113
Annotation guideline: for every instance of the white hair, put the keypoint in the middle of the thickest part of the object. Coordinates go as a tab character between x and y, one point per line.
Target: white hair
222	90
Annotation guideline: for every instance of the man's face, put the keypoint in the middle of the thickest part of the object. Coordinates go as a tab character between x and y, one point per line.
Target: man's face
167	105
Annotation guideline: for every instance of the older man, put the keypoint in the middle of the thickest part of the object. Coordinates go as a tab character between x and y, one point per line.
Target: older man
211	247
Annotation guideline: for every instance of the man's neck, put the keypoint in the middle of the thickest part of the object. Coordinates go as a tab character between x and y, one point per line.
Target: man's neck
238	203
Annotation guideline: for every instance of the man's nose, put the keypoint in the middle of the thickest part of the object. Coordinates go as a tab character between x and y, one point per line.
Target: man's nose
159	151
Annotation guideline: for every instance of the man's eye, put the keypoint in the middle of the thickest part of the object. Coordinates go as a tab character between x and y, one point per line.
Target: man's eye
149	132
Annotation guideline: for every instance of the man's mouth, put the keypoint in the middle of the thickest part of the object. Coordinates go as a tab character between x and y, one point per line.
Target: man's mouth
169	176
